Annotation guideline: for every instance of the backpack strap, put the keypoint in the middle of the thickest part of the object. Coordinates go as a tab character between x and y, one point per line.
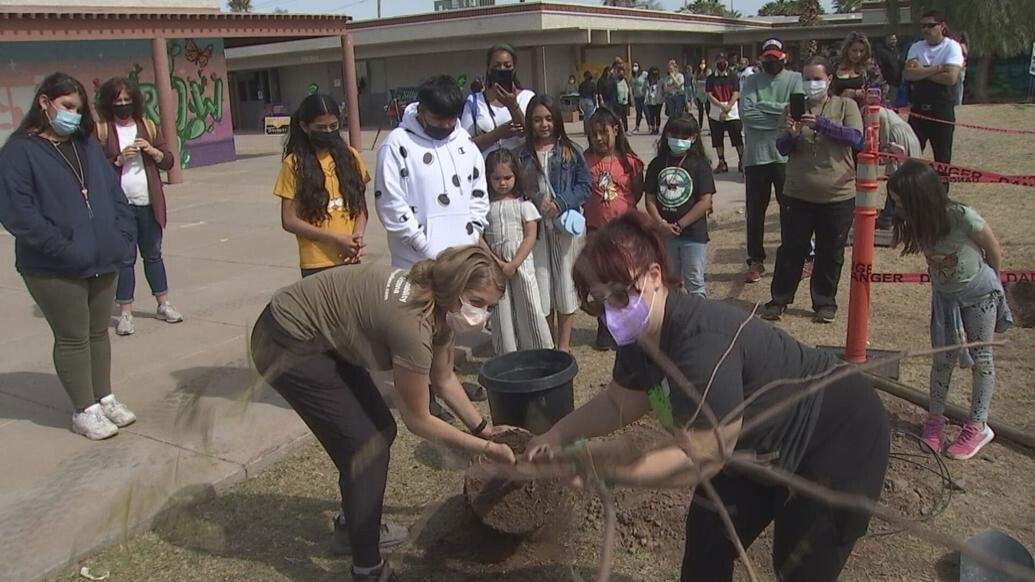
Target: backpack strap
102	133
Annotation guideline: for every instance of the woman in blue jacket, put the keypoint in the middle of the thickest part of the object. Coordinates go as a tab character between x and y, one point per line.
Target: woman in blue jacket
557	178
72	228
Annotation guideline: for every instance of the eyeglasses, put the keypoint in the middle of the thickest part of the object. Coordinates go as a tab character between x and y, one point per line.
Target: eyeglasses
926	25
616	296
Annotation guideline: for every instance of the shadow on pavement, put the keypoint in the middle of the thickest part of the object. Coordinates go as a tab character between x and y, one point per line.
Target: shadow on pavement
38	414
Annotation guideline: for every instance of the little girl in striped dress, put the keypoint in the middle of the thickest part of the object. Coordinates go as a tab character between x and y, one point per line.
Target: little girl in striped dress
518	322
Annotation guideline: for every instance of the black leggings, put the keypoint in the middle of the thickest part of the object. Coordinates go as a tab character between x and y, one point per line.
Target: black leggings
341	404
848	452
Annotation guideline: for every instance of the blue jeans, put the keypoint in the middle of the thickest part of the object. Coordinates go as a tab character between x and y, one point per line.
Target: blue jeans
149	241
689	259
588	106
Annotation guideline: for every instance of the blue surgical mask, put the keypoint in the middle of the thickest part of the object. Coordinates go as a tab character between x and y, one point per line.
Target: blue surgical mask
65	122
679	146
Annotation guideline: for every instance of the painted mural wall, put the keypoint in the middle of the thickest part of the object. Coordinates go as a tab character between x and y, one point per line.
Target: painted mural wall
198	77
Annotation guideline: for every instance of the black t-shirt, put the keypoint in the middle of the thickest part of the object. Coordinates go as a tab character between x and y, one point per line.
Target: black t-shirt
587	90
695	334
677	187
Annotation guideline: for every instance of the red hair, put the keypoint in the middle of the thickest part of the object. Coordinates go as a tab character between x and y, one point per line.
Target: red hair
622	250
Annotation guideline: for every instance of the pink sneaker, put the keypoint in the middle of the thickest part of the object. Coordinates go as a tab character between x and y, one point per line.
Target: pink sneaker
934	429
969	442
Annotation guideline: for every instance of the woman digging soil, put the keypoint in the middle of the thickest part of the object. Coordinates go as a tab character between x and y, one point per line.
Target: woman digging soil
317	339
838	437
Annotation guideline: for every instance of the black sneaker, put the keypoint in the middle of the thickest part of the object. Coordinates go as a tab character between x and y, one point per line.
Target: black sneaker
825	314
475	392
722	168
382	574
392	534
438	411
773	311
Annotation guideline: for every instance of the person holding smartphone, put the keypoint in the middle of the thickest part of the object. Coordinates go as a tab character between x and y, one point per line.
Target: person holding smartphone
494	118
819	193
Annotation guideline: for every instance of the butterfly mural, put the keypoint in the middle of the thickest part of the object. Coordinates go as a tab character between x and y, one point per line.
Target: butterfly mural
195	54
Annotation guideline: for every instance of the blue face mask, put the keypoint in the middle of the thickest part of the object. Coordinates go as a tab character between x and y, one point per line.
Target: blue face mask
65	122
679	146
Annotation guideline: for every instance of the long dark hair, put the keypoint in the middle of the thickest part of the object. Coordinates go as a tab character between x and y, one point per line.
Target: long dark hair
653	75
110	90
568	147
54	86
604	117
682	125
501	48
925	205
312	195
504	157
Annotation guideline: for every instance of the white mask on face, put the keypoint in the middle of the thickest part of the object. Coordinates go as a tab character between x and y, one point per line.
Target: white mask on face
468	318
816	89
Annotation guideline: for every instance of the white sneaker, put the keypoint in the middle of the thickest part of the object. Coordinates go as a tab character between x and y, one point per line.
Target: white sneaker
125	326
92	424
168	314
117	412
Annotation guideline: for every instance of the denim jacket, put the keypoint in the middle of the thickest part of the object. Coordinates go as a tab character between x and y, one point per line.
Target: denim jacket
569	179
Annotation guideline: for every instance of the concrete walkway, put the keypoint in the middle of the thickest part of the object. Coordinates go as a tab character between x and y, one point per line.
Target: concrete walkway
205	419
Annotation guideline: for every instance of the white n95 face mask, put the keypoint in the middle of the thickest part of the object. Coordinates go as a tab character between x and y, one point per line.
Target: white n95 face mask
468	318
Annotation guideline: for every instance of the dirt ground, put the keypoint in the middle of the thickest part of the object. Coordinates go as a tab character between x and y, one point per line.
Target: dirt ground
276	526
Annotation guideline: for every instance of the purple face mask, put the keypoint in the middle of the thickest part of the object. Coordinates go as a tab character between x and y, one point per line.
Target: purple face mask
628	323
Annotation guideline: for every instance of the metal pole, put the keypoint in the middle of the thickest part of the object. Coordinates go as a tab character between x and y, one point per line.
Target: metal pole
166	104
348	63
378	9
864	226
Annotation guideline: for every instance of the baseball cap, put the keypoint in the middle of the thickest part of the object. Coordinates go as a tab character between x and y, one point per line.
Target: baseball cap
773	47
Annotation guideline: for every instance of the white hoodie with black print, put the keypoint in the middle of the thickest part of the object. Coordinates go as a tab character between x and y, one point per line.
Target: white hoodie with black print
429	194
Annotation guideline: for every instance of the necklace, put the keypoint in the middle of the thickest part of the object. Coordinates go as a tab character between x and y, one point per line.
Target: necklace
79	176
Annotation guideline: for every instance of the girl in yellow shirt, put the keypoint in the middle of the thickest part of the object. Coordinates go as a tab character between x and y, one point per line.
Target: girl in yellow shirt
322	185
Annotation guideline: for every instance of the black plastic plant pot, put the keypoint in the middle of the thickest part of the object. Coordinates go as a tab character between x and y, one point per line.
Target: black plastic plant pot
531	389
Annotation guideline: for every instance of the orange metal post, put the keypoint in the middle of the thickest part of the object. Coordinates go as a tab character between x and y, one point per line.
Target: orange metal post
166	104
348	63
864	225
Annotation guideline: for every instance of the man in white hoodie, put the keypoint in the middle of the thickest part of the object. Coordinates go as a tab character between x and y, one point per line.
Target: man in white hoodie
431	191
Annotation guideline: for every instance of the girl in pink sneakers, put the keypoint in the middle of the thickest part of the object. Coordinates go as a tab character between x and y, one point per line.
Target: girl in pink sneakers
967	299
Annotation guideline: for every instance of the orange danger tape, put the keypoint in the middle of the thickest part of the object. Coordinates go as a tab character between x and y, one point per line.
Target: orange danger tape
961	174
1021	276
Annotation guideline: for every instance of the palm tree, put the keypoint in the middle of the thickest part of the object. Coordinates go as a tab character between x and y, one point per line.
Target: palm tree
995	28
810	18
784	8
709	7
240	5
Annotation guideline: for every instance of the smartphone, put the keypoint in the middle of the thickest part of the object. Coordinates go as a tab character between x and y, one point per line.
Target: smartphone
797	106
505	79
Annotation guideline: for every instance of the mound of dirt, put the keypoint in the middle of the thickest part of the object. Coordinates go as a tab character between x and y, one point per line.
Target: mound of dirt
1021	297
513	507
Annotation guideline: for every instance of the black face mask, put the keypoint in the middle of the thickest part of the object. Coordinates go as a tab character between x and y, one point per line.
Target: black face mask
325	139
437	133
722	65
123	110
772	67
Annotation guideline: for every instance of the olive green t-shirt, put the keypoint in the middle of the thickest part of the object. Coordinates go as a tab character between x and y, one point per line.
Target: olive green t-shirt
362	312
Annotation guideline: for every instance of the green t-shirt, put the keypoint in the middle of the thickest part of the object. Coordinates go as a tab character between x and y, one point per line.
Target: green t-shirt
762	102
956	258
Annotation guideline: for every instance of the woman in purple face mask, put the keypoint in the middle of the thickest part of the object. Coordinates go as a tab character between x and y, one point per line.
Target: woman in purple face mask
837	437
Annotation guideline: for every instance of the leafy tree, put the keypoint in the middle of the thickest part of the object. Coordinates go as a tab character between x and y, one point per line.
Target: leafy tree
846	6
809	17
780	8
994	28
642	4
280	11
240	5
709	7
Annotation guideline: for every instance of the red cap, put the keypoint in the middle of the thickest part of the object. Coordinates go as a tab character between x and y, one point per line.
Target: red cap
773	47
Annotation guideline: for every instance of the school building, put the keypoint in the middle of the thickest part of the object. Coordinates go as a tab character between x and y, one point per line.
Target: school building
553	40
175	49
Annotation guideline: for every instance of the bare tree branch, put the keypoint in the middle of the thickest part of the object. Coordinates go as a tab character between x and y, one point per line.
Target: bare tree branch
720	507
